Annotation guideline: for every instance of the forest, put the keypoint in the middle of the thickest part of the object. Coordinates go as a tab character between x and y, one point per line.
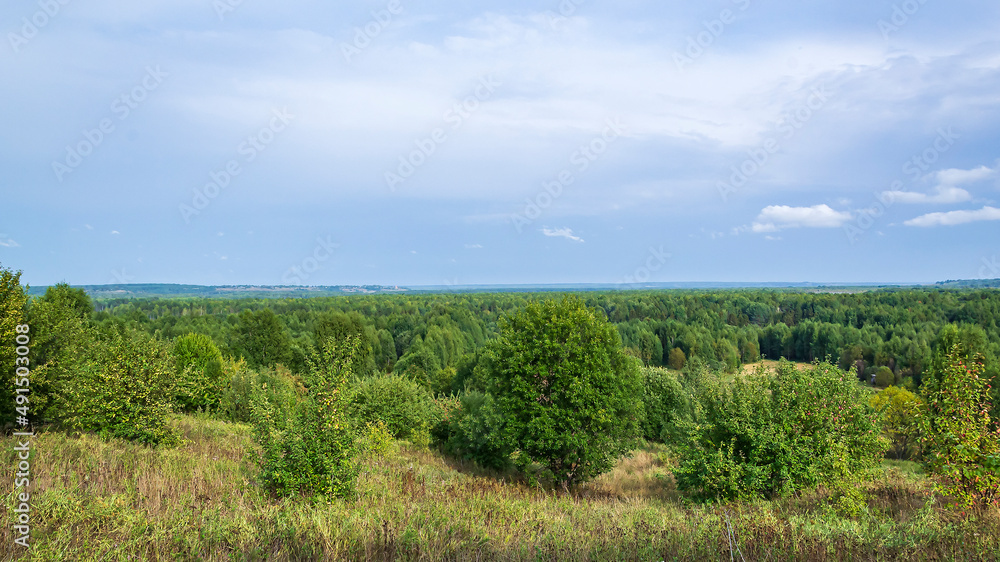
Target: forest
627	424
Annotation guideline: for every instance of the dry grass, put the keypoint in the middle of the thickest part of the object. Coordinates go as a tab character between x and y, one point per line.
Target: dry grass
95	500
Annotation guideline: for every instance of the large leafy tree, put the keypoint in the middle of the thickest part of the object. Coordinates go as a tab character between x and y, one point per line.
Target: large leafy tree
569	396
12	301
261	338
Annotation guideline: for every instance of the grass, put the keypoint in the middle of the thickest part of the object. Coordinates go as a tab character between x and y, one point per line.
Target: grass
97	500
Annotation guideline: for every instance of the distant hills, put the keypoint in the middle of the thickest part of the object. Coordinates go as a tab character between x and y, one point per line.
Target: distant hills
164	290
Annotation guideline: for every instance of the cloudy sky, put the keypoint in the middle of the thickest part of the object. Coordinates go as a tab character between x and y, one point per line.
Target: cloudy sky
438	142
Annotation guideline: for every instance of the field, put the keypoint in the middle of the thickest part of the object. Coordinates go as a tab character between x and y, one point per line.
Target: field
98	500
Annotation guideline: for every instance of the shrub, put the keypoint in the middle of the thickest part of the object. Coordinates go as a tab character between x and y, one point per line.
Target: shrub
124	389
309	447
12	301
404	405
569	397
772	435
899	409
884	377
666	404
475	432
244	385
961	442
200	380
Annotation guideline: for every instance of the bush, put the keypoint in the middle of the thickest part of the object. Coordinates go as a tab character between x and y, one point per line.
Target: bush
569	397
666	404
309	447
200	380
404	405
244	385
960	441
884	377
124	389
12	301
676	359
772	435
899	410
475	432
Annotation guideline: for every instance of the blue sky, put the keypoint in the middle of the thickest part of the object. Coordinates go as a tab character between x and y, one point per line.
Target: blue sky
396	142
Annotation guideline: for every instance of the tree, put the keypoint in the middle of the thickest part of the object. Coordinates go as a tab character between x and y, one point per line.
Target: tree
677	359
569	396
12	301
260	337
884	377
899	409
961	442
201	379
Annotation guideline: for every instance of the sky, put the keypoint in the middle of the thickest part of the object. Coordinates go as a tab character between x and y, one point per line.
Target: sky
230	142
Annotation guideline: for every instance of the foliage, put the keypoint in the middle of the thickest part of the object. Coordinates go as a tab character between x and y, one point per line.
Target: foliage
961	442
260	337
475	432
884	377
677	359
899	410
407	408
12	302
200	380
123	388
569	396
666	405
309	447
244	386
770	435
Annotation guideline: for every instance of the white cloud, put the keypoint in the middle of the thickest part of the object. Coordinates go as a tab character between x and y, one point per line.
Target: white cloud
953	218
115	232
959	177
473	246
947	190
7	242
944	195
563	233
778	217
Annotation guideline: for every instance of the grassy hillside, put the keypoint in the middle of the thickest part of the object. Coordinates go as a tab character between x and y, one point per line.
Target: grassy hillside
96	500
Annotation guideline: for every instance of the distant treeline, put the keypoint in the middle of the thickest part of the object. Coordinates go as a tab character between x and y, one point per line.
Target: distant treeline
437	336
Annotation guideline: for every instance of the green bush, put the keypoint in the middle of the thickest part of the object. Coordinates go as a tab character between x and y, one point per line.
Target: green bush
569	397
404	405
309	447
12	301
124	389
244	385
899	409
475	432
961	443
884	377
666	405
200	378
768	436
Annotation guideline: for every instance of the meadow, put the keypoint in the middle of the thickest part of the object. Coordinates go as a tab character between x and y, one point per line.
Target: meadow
114	500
